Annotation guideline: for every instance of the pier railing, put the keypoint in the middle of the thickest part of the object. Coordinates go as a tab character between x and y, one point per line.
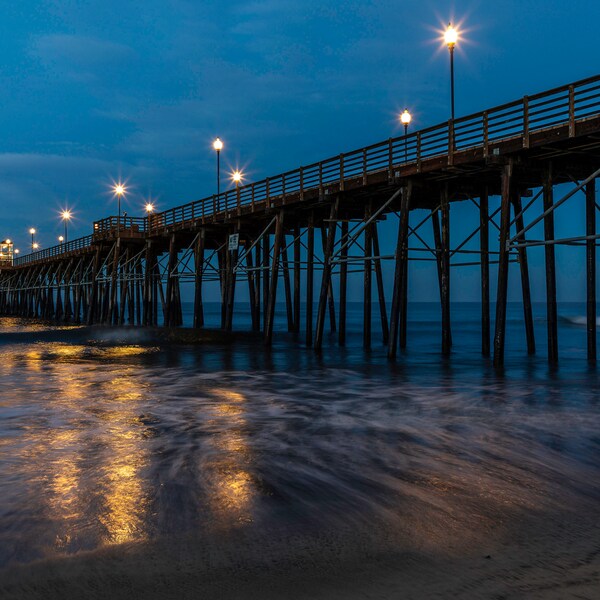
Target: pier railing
519	119
53	251
127	226
560	106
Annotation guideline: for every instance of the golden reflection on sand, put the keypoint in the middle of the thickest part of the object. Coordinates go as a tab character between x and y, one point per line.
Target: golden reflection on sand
97	414
64	499
234	490
126	498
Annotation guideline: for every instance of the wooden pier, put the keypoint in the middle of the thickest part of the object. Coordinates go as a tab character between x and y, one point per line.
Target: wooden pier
324	220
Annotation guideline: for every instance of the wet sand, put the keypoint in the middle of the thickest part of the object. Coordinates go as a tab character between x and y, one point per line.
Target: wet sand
131	469
446	547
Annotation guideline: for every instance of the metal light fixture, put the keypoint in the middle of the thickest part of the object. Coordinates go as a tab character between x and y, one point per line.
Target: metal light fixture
451	38
237	177
66	217
405	119
119	191
218	146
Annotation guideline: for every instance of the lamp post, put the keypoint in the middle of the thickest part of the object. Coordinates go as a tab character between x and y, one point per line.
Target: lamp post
32	232
405	119
35	246
218	146
66	217
451	37
119	191
149	210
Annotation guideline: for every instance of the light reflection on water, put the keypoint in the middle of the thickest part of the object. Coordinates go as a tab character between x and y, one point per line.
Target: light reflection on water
105	444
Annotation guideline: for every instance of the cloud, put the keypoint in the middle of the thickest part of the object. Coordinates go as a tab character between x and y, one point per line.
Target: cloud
81	51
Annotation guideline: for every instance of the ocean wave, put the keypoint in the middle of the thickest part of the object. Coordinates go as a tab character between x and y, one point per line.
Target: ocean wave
578	320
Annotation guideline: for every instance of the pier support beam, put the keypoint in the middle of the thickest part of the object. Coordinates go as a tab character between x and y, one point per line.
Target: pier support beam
232	258
484	248
326	279
170	294
590	218
524	269
385	331
446	327
502	292
343	285
198	276
289	308
551	308
401	254
367	291
274	276
254	311
310	277
297	273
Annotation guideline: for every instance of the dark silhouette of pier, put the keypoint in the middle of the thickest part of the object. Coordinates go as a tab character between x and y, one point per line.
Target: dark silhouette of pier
129	270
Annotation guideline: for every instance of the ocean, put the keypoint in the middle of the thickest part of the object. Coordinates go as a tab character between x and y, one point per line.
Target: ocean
226	459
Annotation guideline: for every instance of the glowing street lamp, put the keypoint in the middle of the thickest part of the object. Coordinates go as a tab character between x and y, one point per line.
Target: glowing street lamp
61	239
218	146
237	177
450	38
149	210
119	190
32	232
405	119
35	246
66	217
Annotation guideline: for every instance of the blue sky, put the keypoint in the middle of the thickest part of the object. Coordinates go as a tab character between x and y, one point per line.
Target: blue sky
96	91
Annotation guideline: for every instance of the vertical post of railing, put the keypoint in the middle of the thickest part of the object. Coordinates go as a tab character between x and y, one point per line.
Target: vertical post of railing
571	111
239	204
341	172
320	179
418	151
283	188
526	122
268	193
486	141
365	166
390	158
301	183
252	198
214	206
450	142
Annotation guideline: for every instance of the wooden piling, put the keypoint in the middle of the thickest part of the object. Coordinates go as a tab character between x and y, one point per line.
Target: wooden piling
524	270
297	279
446	326
551	307
343	284
198	279
326	278
367	291
484	248
310	266
289	308
277	243
590	228
502	289
385	330
401	246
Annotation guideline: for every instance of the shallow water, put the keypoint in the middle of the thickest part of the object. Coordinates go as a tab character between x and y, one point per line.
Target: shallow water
106	440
